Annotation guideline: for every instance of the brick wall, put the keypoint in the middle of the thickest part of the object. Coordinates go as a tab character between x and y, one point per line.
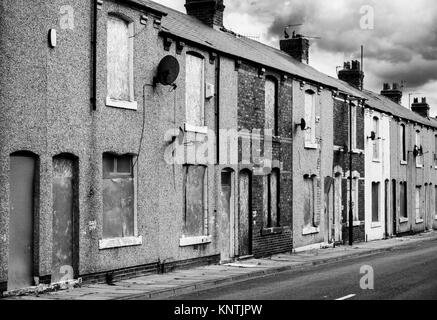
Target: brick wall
341	159
251	115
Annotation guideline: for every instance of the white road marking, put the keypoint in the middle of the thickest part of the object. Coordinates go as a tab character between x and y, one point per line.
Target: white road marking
346	297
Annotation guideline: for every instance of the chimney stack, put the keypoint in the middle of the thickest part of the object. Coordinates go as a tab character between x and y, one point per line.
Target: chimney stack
421	108
393	93
210	12
298	47
352	74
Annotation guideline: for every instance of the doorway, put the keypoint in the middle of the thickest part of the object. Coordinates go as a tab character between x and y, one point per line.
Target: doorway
227	215
64	218
21	221
394	208
245	215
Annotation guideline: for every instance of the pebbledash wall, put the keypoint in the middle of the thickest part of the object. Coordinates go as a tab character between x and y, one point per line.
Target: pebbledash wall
46	111
311	162
407	172
377	166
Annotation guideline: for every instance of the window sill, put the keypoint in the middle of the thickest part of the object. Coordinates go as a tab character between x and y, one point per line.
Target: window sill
419	220
357	151
193	241
120	242
131	105
404	163
196	129
403	220
376	160
271	231
312	146
310	230
419	166
376	225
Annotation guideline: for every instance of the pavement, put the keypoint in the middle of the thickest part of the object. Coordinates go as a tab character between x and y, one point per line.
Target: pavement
185	282
404	273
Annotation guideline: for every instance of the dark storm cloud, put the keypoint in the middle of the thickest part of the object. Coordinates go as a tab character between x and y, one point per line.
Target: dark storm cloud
404	37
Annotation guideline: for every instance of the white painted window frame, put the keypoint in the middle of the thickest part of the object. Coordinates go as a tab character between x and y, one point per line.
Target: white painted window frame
131	104
403	136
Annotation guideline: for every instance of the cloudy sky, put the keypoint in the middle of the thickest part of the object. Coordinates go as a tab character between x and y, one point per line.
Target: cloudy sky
400	45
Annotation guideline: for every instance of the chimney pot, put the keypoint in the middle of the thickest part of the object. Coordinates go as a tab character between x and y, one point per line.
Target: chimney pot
209	12
298	47
393	93
354	76
421	108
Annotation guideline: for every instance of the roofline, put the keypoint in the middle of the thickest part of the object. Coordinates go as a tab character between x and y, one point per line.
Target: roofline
141	5
163	33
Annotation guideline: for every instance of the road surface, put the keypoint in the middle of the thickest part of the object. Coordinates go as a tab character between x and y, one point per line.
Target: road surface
407	272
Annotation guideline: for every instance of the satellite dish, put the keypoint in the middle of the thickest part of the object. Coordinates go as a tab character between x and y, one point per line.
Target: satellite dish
302	124
168	71
372	136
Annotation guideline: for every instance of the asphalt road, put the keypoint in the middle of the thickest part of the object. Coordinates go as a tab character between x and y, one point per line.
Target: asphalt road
408	272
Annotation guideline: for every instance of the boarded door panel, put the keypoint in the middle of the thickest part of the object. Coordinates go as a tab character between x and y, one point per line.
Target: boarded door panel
63	206
226	218
20	264
244	215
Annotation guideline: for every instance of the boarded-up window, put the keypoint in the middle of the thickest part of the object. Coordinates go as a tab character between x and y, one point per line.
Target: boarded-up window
418	206
195	195
194	90
435	201
270	106
403	199
376	141
310	201
355	182
375	201
435	151
403	143
119	59
419	161
118	197
271	200
310	117
353	129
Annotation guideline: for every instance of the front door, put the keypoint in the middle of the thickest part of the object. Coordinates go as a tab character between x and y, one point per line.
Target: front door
394	208
337	223
244	220
21	225
63	220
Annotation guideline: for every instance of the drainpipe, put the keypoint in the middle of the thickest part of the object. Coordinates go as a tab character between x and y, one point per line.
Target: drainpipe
217	110
351	223
94	55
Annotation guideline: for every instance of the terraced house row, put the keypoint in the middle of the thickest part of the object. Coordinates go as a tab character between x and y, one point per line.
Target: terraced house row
108	166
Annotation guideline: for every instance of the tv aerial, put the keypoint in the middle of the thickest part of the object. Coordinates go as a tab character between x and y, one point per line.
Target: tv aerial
286	34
